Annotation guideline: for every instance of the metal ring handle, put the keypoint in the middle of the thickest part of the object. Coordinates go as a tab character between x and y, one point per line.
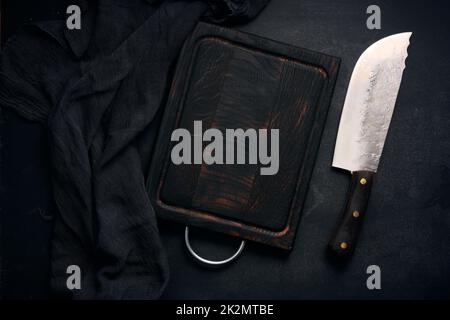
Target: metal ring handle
211	262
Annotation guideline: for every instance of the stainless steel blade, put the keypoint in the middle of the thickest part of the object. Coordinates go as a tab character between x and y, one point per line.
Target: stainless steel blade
369	104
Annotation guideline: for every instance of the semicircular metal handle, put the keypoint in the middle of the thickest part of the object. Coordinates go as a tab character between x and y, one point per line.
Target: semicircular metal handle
207	261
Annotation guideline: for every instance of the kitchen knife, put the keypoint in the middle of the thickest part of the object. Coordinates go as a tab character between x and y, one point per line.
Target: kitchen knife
364	124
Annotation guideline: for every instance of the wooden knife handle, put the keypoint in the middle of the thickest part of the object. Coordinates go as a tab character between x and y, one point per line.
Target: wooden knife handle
344	240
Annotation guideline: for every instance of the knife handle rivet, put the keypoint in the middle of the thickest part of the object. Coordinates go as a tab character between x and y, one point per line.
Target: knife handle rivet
355	214
363	181
343	245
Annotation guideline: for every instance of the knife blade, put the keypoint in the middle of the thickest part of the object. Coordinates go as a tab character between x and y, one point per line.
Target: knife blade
364	124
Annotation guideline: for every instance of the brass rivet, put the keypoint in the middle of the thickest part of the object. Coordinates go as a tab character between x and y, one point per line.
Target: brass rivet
355	214
363	181
343	245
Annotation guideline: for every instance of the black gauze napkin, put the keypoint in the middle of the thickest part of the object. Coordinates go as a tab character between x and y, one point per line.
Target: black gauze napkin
99	90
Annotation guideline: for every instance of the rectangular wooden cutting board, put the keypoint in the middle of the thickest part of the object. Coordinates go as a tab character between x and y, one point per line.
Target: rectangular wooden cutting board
229	80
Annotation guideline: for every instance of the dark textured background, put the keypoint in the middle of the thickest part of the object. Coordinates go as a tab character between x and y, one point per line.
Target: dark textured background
407	227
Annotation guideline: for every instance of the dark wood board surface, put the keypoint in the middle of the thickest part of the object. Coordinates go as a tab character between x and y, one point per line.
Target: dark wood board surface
231	80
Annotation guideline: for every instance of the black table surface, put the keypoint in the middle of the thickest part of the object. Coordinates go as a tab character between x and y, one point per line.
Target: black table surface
406	230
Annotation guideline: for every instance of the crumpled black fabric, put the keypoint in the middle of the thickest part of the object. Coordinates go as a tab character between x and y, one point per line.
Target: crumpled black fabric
100	91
